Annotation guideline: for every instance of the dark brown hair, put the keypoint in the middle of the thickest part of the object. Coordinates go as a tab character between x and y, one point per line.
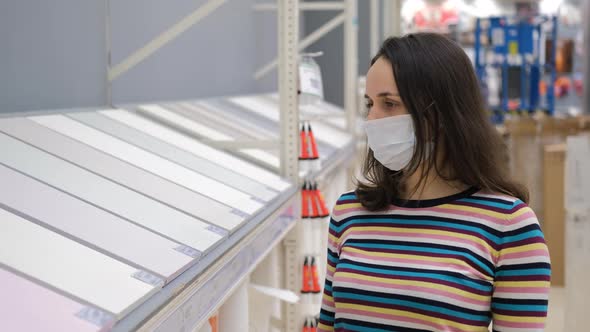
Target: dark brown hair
437	84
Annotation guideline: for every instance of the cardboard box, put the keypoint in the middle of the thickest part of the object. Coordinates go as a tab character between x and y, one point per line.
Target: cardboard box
527	137
554	203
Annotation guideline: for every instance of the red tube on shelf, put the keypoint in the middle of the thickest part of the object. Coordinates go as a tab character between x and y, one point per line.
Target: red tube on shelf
307	326
306	285
314	146
324	212
315	276
314	325
304	144
315	211
304	201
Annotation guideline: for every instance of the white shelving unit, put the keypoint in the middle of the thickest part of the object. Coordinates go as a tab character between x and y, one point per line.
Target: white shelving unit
71	267
122	225
50	311
154	217
289	44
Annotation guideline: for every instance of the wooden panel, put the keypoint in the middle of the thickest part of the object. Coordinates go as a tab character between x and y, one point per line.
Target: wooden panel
553	196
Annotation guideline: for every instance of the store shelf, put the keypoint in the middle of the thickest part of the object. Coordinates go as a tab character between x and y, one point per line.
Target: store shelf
145	209
50	311
251	118
199	130
105	232
70	267
150	190
129	176
152	163
148	136
221	158
187	302
121	201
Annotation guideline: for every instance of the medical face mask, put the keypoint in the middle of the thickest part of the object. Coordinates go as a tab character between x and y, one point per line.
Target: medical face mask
392	140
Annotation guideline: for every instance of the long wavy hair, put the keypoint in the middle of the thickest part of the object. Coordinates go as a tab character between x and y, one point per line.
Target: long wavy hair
437	84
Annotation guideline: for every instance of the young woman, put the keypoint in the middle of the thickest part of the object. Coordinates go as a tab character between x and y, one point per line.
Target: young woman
437	237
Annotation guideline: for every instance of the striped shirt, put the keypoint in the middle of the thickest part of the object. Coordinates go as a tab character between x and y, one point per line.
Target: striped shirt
458	263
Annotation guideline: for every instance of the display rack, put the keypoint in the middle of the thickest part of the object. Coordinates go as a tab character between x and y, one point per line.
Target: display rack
289	45
122	223
517	44
150	218
182	131
249	127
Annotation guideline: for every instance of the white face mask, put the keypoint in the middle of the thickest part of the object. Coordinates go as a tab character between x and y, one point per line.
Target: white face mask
392	140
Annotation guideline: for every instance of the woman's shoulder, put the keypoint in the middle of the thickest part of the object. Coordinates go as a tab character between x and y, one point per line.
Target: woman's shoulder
492	196
513	209
348	205
347	198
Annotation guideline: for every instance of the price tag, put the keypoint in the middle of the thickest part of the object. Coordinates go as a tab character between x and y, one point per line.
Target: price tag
191	252
310	79
95	316
258	200
148	278
240	213
217	230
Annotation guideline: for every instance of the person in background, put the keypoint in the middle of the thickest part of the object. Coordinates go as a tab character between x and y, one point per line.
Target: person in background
436	237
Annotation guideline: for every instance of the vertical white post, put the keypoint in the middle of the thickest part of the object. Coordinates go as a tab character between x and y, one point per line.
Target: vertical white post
396	18
265	308
350	62
386	18
288	17
233	314
374	21
288	37
392	18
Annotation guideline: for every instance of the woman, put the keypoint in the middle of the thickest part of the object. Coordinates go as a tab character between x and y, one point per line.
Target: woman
437	238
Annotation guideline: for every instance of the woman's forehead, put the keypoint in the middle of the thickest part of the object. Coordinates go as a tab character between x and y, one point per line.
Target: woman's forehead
380	79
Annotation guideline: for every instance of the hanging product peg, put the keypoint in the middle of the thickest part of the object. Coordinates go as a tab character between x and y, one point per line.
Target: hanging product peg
307	282
313	204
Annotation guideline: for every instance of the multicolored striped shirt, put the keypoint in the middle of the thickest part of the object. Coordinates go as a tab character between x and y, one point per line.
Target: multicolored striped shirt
453	264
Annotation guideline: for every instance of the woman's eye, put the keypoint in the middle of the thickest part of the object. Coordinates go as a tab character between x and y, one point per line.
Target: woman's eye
365	111
390	104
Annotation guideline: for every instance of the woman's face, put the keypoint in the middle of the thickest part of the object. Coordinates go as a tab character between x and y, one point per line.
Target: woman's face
381	97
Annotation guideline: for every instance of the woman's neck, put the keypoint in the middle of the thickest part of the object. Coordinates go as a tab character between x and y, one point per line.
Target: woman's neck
432	187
